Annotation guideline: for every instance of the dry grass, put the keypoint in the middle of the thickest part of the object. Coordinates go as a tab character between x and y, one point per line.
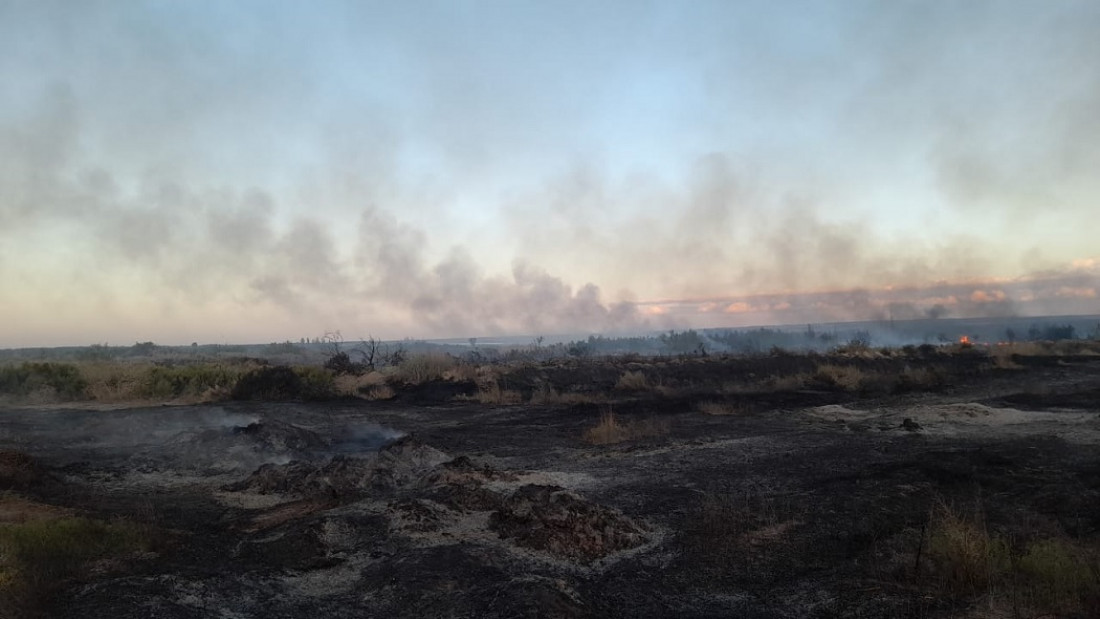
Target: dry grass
491	393
377	392
610	430
370	386
789	382
632	381
1002	356
1052	575
845	377
920	378
417	369
963	556
545	395
719	408
463	372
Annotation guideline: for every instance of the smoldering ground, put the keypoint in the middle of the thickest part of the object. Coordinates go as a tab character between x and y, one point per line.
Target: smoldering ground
195	440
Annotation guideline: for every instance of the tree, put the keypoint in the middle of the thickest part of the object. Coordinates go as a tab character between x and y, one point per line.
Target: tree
684	342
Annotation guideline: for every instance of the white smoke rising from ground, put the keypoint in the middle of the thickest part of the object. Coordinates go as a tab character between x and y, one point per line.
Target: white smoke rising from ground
246	172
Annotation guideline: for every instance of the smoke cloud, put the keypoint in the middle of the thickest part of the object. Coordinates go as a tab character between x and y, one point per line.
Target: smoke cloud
248	172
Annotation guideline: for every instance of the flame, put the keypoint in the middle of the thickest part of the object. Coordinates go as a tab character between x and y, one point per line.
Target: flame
964	340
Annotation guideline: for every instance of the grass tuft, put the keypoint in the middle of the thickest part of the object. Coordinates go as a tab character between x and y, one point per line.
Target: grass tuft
719	408
632	381
38	556
610	430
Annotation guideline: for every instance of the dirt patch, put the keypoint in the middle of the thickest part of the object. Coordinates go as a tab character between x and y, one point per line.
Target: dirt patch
14	509
286	512
554	520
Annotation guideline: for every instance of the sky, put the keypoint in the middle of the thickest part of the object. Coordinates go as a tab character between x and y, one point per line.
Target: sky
253	171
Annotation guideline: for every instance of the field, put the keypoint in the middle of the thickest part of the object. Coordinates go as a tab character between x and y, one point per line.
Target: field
933	481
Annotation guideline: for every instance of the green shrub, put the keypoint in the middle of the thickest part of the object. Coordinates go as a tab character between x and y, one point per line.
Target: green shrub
39	554
173	382
62	379
285	383
1058	571
316	383
1049	575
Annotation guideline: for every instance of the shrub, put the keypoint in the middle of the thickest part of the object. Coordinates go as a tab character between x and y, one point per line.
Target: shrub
340	364
1059	573
167	382
316	383
62	380
1047	575
38	555
285	383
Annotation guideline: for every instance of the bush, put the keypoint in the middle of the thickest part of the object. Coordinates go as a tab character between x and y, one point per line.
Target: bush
173	382
1056	574
60	379
284	383
341	364
1059	573
39	555
316	383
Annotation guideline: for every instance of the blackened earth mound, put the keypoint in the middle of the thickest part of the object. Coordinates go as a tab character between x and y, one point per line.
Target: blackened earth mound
554	520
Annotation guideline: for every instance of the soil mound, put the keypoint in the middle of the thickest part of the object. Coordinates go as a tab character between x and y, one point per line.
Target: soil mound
460	485
554	520
278	436
399	464
405	461
463	470
339	476
417	515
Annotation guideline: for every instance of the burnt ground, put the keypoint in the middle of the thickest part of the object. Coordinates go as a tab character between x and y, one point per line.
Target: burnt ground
805	503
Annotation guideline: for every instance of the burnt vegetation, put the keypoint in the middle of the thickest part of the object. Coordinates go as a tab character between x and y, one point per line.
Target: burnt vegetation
717	474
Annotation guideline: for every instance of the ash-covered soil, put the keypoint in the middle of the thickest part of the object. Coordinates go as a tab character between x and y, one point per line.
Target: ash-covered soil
802	503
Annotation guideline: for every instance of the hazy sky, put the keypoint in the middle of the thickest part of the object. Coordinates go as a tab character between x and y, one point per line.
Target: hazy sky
258	171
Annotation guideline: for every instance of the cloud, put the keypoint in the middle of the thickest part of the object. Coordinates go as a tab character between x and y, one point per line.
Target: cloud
424	170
